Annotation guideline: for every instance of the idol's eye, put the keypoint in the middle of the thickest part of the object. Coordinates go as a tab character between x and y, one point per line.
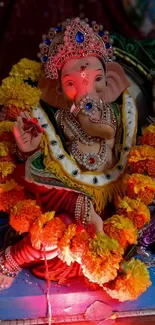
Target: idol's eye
99	78
70	83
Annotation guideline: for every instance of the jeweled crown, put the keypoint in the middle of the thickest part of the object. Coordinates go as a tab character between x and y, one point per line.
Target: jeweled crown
74	38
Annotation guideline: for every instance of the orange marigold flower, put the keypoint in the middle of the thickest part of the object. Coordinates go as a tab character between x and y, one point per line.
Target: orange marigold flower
53	231
101	261
4	179
121	229
148	136
130	284
148	139
80	244
13	112
142	160
150	164
46	230
137	186
6	168
100	269
6	152
11	198
139	153
23	214
135	210
64	245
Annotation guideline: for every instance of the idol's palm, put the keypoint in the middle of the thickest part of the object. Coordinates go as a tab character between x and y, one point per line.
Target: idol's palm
25	140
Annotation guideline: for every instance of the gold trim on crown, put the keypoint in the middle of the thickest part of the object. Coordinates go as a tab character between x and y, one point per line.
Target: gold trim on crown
74	38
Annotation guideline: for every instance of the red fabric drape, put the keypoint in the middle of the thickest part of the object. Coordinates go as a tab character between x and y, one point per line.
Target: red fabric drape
59	200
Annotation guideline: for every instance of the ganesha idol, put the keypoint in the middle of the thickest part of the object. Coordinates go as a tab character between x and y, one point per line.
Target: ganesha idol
73	147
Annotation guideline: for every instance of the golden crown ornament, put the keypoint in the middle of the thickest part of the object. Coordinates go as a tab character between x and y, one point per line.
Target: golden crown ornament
74	38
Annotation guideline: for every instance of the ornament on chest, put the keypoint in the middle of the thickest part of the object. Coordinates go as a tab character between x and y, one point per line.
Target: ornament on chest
76	136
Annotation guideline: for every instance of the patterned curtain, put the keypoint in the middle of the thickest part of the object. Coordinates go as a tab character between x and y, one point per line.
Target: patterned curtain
22	22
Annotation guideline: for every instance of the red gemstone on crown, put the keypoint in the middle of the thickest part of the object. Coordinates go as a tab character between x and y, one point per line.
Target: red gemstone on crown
91	160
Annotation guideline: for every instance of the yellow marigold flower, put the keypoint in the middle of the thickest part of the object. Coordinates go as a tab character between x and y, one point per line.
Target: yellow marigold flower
121	229
149	129
6	126
131	205
10	198
26	69
14	91
139	186
102	243
38	229
135	210
9	186
6	168
24	214
100	263
130	284
4	150
138	153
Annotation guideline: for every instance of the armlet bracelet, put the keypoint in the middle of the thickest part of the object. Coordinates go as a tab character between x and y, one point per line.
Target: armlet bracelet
78	207
87	215
82	210
14	267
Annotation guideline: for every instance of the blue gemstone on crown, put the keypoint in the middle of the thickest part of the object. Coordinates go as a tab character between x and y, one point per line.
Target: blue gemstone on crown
79	37
58	29
108	45
45	57
101	33
89	105
47	41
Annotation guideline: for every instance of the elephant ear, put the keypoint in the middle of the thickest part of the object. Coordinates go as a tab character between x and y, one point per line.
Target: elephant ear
51	93
117	82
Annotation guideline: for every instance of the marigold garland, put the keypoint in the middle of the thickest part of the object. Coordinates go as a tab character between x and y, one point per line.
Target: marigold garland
142	160
135	210
9	186
137	186
76	238
80	244
14	92
64	245
102	243
10	194
23	214
12	112
139	153
121	229
148	136
131	284
9	199
7	152
6	132
101	262
6	126
46	230
4	150
26	69
6	169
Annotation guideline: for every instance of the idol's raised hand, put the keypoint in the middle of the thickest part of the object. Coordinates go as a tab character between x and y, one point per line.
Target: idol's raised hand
27	133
